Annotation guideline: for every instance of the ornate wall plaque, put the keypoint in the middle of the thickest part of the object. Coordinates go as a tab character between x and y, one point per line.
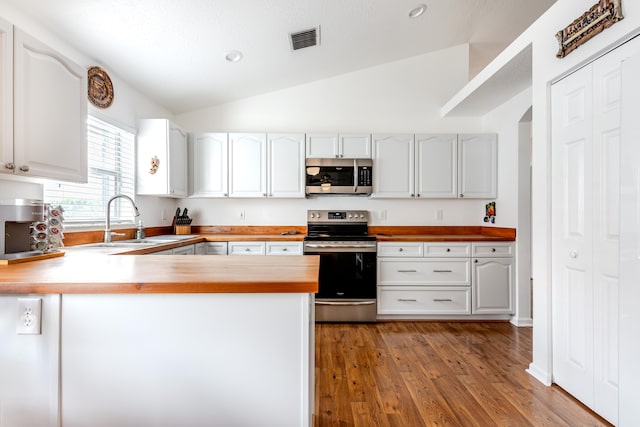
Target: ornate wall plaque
100	90
601	15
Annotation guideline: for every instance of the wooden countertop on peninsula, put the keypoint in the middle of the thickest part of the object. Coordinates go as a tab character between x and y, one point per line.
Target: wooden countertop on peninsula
94	273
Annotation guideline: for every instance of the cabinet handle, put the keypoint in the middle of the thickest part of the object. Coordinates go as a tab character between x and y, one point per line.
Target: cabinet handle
400	250
10	166
443	300
247	250
226	195
407	271
284	249
407	300
24	168
418	195
461	195
413	195
443	271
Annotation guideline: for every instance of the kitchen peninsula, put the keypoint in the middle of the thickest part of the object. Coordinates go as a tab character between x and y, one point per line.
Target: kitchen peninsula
165	340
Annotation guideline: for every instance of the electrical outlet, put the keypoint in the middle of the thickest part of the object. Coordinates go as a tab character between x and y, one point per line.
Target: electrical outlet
163	215
29	316
242	215
439	214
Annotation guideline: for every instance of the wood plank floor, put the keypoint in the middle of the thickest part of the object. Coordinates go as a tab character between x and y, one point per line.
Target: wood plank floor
412	374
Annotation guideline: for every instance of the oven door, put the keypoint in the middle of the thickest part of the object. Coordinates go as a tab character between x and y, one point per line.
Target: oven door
347	286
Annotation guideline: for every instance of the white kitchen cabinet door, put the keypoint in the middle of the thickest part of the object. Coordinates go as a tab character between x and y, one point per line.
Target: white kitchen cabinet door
50	112
178	175
393	170
436	166
6	97
322	145
284	248
184	250
247	165
477	165
492	286
208	165
354	146
161	140
285	170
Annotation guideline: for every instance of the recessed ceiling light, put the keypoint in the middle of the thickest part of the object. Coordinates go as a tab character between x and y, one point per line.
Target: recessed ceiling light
417	11
233	56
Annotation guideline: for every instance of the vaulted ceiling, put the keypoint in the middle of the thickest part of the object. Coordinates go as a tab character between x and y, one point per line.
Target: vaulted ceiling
174	51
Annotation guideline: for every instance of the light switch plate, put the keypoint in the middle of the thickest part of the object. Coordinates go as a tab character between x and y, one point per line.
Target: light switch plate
29	316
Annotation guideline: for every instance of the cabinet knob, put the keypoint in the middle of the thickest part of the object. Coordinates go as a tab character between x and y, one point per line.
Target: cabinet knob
24	168
10	166
475	260
461	195
413	195
418	195
284	249
573	254
400	250
247	249
264	194
493	249
448	249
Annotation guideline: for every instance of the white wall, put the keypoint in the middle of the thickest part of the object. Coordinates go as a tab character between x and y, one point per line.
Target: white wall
403	96
546	69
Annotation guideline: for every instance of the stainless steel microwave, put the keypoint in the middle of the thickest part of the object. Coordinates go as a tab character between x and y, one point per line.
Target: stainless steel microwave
339	177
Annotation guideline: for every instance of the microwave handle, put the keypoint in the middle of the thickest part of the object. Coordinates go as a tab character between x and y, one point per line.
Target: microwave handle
355	175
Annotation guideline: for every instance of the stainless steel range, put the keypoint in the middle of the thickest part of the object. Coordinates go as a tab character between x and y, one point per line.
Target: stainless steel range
347	283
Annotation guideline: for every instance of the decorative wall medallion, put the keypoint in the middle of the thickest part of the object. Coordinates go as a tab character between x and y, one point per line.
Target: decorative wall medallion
100	88
600	16
155	164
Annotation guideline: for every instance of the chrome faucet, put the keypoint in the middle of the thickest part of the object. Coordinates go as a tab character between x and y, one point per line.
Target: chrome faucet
107	229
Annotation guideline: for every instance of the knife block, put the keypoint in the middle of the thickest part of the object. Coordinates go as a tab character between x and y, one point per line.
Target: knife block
183	229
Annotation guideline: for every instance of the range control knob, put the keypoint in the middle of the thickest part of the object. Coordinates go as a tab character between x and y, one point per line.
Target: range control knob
350	216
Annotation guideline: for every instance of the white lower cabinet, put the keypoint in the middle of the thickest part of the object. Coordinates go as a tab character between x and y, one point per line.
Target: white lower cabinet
442	278
184	250
211	248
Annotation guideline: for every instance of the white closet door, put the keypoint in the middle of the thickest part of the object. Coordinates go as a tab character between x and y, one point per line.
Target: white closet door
629	410
572	220
606	236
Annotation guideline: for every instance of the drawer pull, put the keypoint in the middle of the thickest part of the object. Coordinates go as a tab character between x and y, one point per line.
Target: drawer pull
407	300
400	250
443	300
443	271
448	249
407	271
493	249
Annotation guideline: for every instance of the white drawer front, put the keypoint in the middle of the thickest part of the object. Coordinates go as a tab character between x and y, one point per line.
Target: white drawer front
443	249
430	272
284	248
492	249
424	301
246	248
211	248
403	250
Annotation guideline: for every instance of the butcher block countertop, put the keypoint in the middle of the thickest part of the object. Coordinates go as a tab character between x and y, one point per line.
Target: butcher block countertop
80	272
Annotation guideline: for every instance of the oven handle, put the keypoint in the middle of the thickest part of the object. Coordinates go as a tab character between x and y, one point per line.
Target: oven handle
345	303
317	246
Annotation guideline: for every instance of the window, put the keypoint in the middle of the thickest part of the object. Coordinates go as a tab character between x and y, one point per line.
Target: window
111	172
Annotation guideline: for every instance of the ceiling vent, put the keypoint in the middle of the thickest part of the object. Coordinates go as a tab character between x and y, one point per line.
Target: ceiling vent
306	38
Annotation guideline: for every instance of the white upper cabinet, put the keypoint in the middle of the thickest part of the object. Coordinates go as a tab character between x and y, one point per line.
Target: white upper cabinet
329	145
247	165
208	165
49	110
6	95
477	165
163	144
285	171
437	166
393	166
